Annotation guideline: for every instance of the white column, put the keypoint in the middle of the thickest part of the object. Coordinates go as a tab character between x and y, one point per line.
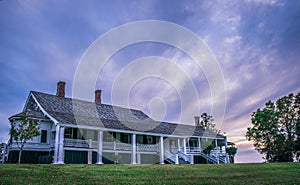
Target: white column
99	151
178	143
56	144
161	149
61	146
3	152
133	152
199	144
138	158
90	156
217	150
115	145
184	145
176	159
191	159
227	158
216	143
90	143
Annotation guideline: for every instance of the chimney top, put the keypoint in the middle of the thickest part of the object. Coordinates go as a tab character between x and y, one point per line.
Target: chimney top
61	89
98	96
197	118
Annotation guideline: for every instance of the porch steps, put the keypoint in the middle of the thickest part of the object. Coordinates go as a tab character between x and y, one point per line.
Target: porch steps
171	158
184	159
213	159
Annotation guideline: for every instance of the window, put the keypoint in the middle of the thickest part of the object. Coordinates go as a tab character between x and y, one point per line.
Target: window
149	140
44	136
68	133
125	138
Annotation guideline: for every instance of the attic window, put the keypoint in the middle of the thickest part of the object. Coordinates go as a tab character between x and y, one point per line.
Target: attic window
36	107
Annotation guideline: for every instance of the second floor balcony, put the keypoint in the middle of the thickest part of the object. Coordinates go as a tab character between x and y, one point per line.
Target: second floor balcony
115	146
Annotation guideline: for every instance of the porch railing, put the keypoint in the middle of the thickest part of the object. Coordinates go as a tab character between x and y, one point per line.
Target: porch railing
193	149
147	147
184	156
31	145
76	143
122	146
117	146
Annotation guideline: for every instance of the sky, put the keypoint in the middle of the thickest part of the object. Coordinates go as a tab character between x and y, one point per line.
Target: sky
255	42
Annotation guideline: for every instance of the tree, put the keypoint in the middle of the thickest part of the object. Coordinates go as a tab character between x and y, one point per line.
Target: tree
207	122
117	158
24	131
297	130
231	152
275	129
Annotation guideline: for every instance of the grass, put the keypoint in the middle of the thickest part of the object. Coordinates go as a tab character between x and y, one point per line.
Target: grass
275	173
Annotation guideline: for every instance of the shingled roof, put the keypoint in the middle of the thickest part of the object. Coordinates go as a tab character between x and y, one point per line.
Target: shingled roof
70	111
31	114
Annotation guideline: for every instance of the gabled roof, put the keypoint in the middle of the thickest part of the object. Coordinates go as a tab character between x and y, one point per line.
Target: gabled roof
61	106
75	112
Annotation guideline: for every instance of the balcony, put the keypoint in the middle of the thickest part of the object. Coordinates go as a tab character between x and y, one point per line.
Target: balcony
116	146
31	146
193	150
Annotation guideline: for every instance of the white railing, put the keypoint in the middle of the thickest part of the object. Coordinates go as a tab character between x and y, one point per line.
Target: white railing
94	144
147	148
174	158
108	145
169	156
193	149
3	153
122	146
76	143
217	152
210	158
215	156
118	146
184	156
31	145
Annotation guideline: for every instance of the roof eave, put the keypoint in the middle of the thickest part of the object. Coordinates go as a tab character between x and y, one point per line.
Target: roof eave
42	109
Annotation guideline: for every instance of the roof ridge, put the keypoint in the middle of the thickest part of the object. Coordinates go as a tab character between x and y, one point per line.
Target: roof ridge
88	101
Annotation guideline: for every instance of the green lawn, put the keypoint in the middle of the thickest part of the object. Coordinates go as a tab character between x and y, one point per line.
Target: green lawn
276	173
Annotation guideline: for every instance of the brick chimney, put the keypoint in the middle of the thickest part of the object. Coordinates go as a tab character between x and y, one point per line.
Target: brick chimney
61	89
197	118
98	96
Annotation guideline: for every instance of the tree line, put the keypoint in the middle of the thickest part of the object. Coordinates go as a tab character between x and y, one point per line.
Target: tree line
275	129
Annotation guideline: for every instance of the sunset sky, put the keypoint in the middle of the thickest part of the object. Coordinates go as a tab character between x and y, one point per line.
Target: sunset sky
256	44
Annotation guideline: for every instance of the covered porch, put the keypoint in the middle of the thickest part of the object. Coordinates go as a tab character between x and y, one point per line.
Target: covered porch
98	145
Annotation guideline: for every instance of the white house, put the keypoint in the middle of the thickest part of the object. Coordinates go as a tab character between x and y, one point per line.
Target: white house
77	131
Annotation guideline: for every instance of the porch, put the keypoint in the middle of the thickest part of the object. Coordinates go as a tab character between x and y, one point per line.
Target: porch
134	145
115	146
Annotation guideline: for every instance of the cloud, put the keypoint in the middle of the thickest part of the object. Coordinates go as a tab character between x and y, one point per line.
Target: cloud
231	40
256	43
267	2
